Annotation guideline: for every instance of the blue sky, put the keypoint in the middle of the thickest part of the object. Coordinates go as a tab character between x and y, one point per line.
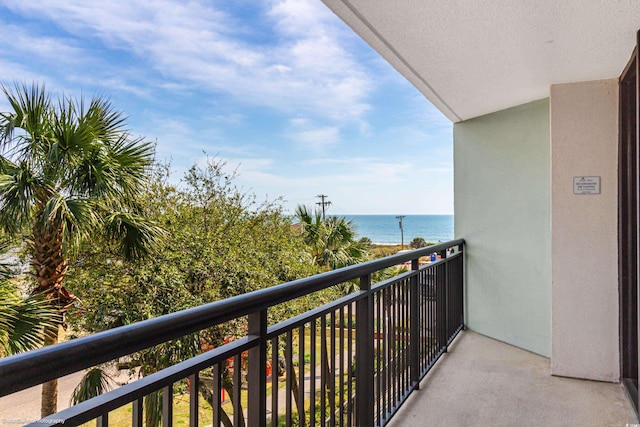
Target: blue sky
283	91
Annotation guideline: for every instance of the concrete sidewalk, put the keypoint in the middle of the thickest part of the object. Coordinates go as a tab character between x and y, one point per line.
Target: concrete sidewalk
484	382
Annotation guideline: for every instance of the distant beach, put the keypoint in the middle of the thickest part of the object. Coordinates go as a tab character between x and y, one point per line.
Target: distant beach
385	230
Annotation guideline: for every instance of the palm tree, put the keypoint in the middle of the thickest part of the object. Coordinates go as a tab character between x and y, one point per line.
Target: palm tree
69	171
331	243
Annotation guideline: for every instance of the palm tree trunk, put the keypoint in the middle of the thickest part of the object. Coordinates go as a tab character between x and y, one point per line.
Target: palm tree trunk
207	393
228	385
49	403
153	409
49	267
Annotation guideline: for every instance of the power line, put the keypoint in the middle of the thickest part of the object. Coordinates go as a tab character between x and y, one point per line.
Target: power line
323	204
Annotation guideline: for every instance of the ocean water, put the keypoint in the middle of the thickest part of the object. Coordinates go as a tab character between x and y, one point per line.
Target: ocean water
385	228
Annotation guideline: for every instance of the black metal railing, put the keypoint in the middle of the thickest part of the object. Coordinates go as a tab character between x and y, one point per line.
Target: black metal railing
352	362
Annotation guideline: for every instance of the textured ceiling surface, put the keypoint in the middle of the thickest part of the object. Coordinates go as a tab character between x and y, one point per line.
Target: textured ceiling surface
474	57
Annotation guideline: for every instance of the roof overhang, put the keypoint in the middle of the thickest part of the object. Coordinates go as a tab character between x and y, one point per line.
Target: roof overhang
474	57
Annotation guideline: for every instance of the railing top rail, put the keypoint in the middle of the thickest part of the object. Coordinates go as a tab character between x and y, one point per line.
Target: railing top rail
25	370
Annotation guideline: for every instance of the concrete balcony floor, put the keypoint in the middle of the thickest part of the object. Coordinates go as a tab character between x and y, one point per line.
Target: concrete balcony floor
484	382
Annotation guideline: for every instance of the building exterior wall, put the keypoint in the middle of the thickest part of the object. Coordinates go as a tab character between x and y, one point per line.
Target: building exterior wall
584	248
502	209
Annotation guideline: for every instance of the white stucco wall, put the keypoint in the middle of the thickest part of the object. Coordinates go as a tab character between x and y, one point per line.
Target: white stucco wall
584	249
502	196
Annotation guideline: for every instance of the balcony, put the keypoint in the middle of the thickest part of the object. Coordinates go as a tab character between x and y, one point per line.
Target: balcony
484	382
352	362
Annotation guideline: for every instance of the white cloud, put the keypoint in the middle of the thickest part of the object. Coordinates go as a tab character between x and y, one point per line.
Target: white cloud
307	70
362	185
11	71
196	72
44	47
310	137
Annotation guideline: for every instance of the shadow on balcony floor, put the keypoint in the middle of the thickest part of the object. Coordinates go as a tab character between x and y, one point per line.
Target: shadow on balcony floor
484	382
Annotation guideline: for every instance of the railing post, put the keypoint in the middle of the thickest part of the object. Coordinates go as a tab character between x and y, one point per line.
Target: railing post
462	282
364	356
414	325
167	408
194	392
443	256
257	371
136	413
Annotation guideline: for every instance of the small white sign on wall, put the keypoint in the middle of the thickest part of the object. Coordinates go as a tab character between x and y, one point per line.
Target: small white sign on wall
586	185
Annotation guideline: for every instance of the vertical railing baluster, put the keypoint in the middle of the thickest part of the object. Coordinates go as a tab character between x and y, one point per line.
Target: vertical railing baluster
350	366
405	337
396	347
257	371
332	376
443	256
216	400
423	321
238	415
386	344
378	365
193	399
435	289
312	372
288	352
442	309
167	406
364	355
323	369
301	411
103	420
275	412
406	346
428	332
461	283
341	375
136	413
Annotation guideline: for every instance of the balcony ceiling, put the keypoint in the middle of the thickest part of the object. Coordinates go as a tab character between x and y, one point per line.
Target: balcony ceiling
473	57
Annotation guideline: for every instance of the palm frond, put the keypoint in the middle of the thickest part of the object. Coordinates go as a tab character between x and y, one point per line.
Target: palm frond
31	107
136	236
6	165
94	383
114	170
118	171
6	267
23	321
17	190
75	218
107	122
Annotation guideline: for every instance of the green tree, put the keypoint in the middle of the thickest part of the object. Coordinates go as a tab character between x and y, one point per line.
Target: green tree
331	243
69	171
418	242
223	243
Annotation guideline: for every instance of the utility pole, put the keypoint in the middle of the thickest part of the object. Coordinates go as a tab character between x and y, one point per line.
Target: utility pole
323	203
401	217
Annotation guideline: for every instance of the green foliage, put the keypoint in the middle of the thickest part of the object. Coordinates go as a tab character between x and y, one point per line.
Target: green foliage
222	243
69	172
68	167
366	242
418	242
94	383
22	320
330	243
